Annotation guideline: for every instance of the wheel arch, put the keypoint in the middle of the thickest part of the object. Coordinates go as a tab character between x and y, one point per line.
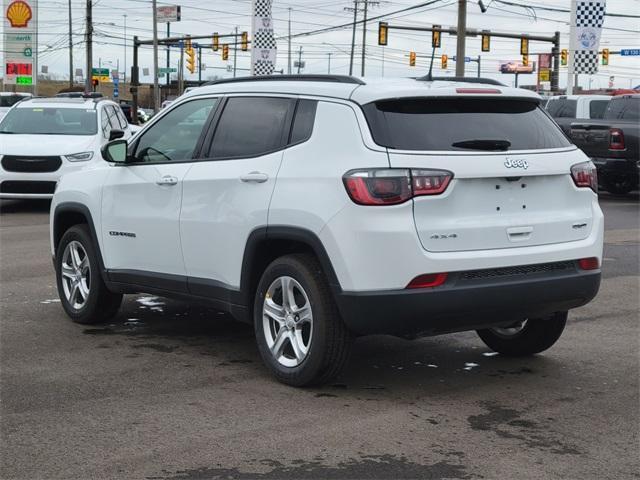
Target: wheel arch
265	244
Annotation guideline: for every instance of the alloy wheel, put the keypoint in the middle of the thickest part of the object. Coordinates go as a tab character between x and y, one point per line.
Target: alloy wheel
76	274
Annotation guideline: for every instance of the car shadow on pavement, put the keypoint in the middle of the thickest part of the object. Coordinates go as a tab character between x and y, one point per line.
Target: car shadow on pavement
24	206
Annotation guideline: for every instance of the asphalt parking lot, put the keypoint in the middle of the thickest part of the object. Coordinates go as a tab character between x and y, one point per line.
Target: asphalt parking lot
173	391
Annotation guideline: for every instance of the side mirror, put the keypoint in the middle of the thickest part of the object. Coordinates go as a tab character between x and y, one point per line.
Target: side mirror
115	151
115	134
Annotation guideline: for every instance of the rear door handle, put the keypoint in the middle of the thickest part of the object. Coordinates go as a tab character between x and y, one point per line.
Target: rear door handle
256	177
167	180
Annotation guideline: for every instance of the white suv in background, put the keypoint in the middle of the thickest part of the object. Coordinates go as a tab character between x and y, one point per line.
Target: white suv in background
319	208
42	139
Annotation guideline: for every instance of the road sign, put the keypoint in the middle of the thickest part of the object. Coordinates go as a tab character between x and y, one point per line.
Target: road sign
630	52
100	74
466	59
545	75
164	70
300	64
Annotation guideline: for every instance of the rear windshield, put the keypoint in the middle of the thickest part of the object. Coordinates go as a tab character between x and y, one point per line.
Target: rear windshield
50	121
10	100
624	108
562	108
462	124
597	108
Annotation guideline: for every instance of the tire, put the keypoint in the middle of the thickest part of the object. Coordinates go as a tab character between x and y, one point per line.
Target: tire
323	341
92	302
622	187
526	338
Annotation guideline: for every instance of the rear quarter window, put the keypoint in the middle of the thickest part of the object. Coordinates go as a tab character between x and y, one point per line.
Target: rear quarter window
623	108
562	108
467	124
597	108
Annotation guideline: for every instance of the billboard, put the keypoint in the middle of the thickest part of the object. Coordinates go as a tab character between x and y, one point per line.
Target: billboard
19	19
515	66
168	13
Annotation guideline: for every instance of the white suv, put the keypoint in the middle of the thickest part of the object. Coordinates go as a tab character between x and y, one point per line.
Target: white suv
319	208
42	139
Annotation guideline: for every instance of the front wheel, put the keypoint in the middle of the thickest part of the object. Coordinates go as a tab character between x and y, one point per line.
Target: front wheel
83	294
299	332
525	337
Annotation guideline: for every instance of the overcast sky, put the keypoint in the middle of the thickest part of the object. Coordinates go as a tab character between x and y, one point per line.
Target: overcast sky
201	17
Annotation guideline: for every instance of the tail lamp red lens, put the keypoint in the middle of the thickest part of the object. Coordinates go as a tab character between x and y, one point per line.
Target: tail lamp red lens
392	186
585	175
616	139
428	280
591	263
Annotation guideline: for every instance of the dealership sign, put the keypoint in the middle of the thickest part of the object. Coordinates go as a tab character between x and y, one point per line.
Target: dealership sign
169	13
19	18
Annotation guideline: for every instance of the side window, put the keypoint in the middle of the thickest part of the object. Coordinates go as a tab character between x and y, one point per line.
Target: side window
597	108
303	121
175	135
251	126
113	118
121	118
104	123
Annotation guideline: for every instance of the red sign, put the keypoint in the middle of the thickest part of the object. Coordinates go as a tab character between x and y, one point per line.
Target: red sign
19	69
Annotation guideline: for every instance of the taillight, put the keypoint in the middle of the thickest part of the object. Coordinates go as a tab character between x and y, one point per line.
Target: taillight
585	175
616	139
428	280
591	263
392	186
478	90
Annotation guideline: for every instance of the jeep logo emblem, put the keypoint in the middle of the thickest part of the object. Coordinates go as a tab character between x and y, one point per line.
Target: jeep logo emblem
516	163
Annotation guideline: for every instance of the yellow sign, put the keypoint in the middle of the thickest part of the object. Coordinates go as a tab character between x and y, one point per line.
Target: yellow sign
544	75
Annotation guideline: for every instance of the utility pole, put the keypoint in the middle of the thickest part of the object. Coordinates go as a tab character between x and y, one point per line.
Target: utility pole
329	66
364	31
168	54
181	69
88	38
199	64
70	49
479	71
124	80
156	89
299	59
289	45
462	28
235	52
353	35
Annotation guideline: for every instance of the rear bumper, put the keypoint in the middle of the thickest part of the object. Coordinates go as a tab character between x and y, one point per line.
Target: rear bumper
617	166
463	304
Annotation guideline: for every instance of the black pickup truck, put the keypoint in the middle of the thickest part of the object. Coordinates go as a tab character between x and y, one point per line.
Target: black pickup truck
612	144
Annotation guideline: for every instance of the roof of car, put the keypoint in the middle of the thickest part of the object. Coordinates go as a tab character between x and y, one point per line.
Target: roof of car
62	102
576	97
13	94
363	90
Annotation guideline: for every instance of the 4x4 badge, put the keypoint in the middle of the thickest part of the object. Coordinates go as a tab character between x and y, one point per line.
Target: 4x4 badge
516	163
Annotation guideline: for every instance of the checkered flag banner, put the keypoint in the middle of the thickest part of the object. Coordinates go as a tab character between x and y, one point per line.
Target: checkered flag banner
587	18
263	47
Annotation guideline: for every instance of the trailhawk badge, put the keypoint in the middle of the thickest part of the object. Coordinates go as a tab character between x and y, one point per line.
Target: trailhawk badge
516	163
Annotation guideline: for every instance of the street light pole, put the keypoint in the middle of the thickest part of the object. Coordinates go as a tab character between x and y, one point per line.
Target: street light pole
462	28
353	35
70	49
88	39
289	46
156	89
124	80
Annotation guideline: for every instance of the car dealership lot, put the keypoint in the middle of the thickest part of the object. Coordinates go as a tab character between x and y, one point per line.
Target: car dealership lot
171	390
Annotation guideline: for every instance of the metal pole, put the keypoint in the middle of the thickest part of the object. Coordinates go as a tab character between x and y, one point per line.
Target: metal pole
180	70
572	47
134	83
168	54
462	27
199	64
299	59
235	53
70	49
383	61
88	39
156	89
124	80
479	71
289	46
555	73
329	67
353	35
364	36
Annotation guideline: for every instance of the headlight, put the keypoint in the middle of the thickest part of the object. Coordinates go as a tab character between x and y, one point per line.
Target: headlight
79	157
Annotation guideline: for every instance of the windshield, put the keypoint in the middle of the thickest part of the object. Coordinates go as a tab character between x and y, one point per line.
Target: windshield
462	124
50	121
10	100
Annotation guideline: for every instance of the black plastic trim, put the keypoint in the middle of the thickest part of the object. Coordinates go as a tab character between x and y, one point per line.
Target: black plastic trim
291	78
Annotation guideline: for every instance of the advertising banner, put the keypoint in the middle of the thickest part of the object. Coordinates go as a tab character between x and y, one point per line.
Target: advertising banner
20	47
263	46
587	18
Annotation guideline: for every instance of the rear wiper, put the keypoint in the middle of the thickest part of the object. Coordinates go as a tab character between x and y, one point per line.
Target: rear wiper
483	144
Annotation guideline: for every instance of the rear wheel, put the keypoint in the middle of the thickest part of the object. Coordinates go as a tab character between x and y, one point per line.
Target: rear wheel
525	337
299	332
619	186
83	294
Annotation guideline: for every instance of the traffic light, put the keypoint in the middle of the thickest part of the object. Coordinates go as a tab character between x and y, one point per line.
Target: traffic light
383	33
525	60
191	60
563	56
524	46
245	41
187	44
95	82
412	59
486	42
216	42
605	56
225	52
435	36
444	59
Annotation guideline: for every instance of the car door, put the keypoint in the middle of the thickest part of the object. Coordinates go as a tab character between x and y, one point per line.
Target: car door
227	195
141	199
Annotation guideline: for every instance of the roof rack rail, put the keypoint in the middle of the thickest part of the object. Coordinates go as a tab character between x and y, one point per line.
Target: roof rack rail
293	78
488	81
